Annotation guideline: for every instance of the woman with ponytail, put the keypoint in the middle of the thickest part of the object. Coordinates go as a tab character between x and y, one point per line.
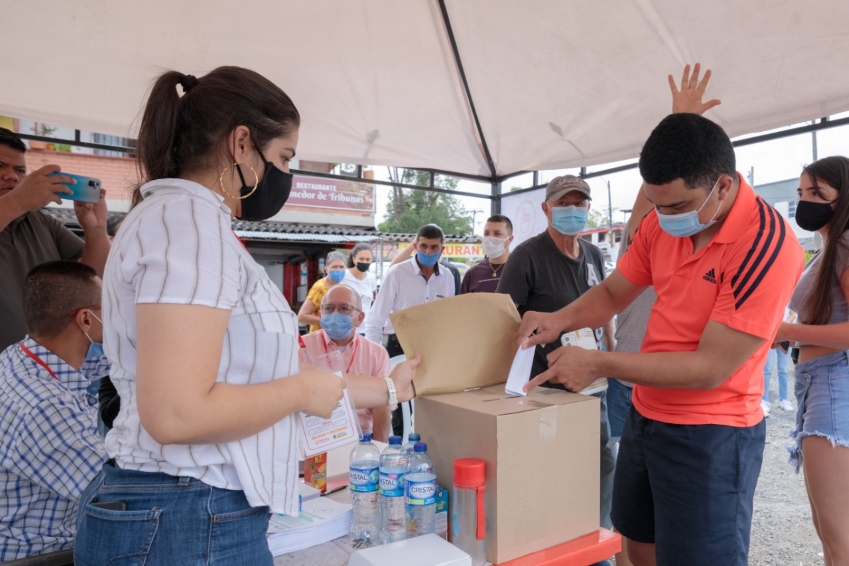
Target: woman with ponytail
821	300
203	346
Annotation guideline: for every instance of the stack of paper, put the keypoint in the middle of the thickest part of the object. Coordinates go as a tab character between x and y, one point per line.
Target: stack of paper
321	520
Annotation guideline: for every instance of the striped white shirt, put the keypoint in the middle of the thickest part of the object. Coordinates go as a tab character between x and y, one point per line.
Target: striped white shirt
177	247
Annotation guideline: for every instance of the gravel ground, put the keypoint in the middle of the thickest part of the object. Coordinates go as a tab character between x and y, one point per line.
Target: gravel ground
782	531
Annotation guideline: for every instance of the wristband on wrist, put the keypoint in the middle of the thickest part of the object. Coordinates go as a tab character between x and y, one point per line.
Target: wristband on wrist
393	395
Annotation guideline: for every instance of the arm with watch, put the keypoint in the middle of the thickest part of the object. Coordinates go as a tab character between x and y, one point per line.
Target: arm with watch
368	392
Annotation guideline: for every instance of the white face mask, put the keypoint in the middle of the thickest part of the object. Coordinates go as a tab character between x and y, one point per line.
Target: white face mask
494	247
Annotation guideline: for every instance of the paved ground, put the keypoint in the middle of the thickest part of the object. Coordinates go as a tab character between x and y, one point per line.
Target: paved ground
782	531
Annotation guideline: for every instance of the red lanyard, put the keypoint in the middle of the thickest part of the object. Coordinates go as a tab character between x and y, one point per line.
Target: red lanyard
38	360
354	351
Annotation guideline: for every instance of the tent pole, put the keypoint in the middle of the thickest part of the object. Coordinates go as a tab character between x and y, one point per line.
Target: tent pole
459	62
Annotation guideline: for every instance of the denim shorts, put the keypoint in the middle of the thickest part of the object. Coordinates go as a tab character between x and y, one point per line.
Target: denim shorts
822	395
168	520
689	489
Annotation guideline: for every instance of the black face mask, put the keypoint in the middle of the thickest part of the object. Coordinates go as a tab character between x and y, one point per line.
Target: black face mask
812	216
270	195
362	266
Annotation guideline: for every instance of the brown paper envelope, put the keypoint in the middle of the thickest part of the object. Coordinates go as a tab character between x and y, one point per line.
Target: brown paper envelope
465	341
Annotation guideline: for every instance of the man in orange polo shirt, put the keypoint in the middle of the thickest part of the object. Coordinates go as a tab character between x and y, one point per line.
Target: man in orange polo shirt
723	264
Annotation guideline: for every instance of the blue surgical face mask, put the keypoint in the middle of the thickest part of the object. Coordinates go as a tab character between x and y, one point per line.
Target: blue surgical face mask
95	349
687	224
338	326
569	220
427	260
337	275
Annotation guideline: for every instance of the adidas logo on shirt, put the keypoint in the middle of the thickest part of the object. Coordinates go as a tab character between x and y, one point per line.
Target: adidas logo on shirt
710	277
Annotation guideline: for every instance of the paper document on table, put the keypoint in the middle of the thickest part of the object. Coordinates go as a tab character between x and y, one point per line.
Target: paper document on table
520	372
321	520
320	435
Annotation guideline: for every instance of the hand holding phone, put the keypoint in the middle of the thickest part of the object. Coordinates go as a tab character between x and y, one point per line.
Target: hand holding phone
86	189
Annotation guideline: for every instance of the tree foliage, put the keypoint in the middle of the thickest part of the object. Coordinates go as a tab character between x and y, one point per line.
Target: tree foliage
410	209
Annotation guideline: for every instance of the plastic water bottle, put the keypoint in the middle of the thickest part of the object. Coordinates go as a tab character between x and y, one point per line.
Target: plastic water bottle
411	442
393	466
420	493
468	519
364	476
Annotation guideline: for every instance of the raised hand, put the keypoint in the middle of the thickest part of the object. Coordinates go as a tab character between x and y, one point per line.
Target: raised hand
688	99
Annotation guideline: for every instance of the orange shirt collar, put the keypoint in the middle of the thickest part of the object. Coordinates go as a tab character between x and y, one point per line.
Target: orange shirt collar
741	213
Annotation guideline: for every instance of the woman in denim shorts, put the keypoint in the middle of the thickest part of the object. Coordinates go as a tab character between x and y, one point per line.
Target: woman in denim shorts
822	375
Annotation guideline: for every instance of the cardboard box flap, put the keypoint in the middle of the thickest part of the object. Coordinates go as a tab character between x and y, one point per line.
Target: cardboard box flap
465	342
493	401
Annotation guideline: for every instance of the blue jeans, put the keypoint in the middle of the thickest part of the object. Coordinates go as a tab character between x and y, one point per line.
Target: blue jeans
618	406
168	520
782	358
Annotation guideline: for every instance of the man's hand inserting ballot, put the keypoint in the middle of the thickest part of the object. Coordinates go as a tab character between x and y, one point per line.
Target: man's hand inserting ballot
539	328
575	368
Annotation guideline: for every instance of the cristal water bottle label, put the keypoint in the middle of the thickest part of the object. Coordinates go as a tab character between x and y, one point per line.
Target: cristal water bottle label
421	492
364	479
392	484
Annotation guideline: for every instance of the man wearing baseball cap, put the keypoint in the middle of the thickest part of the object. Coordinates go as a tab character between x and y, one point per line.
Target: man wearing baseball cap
554	268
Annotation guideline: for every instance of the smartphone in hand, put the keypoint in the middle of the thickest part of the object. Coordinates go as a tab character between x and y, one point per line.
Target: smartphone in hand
87	189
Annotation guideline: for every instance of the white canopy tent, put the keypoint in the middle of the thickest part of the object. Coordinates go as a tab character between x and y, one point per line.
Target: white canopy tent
482	88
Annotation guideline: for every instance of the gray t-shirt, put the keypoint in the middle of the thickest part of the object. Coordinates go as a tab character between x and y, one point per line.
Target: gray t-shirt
539	277
631	323
839	308
30	240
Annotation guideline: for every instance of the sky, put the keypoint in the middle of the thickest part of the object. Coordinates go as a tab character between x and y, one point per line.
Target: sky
776	160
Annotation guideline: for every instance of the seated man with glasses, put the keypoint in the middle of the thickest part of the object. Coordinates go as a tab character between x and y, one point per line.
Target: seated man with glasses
50	450
341	315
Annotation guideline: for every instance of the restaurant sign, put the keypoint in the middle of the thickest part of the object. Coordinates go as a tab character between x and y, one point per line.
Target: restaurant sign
331	193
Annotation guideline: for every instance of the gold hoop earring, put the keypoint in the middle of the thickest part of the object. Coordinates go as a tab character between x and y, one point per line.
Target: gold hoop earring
221	180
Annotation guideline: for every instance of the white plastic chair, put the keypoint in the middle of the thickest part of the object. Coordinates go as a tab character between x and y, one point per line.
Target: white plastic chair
406	408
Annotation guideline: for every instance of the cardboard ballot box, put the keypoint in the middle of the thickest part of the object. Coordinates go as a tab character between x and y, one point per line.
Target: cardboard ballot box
542	461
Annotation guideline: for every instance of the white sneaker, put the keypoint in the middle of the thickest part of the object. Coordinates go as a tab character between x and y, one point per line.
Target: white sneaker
785	405
765	407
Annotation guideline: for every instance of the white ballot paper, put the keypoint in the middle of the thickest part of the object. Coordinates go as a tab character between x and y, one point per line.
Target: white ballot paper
320	435
520	372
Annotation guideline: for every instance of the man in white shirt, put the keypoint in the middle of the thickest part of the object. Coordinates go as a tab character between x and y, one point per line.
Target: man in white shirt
418	280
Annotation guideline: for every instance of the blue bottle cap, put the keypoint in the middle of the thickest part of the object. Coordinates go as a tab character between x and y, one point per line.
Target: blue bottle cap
415	437
420	447
394	440
366	437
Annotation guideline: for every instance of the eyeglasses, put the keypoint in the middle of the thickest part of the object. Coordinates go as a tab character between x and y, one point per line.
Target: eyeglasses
92	308
346	310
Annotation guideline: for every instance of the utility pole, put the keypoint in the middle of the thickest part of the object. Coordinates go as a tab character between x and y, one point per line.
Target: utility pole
474	214
814	142
609	215
752	176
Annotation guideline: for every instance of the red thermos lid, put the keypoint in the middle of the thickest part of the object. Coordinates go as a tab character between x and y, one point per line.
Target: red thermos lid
469	472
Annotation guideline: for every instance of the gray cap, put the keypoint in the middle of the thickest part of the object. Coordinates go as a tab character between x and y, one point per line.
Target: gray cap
559	186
